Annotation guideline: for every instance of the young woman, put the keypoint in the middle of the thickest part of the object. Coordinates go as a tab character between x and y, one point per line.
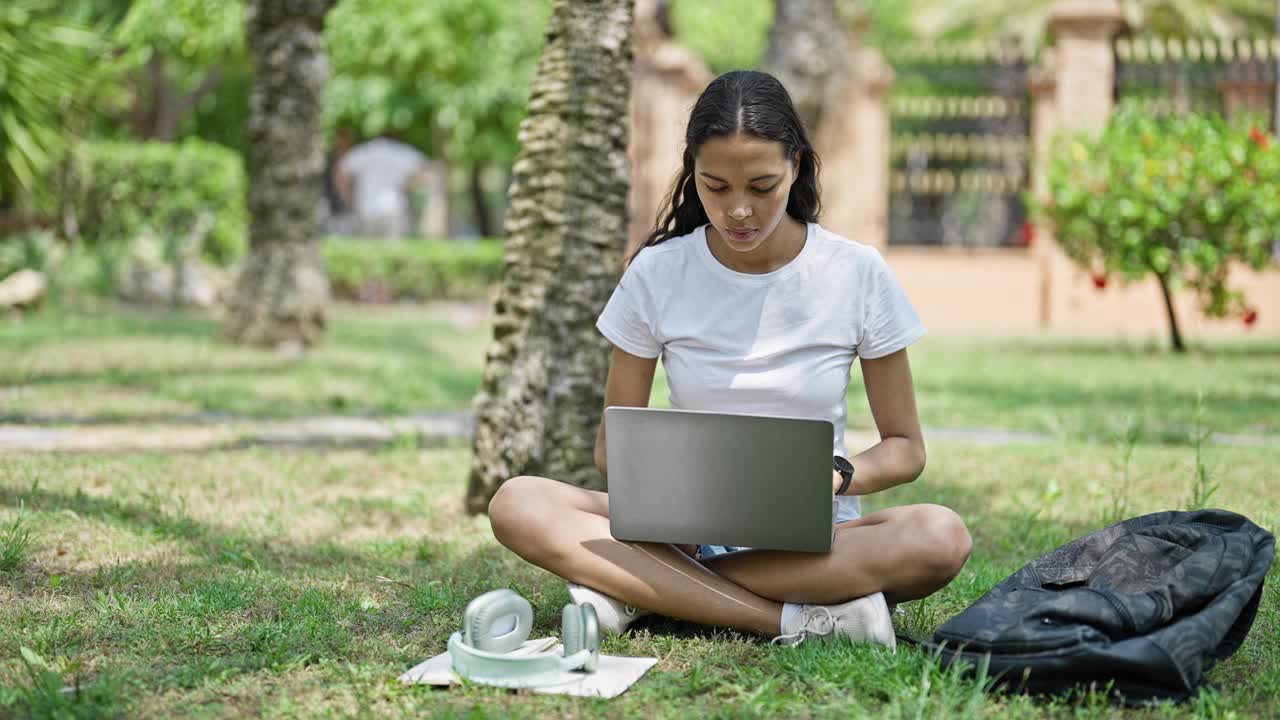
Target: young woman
754	308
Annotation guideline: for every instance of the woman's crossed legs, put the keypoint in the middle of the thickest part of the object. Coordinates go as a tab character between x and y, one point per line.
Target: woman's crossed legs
905	552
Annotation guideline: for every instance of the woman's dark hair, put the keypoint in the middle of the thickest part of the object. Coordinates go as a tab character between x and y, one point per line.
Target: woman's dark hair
740	101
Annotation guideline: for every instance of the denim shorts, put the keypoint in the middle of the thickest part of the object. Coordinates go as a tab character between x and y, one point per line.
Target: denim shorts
848	508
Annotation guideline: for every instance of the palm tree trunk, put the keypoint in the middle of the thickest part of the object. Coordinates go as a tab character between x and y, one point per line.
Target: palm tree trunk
281	294
809	52
543	390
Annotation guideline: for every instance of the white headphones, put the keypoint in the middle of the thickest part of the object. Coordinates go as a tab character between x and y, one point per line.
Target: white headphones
498	622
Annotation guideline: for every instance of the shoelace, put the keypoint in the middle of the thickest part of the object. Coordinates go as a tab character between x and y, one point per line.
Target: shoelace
816	620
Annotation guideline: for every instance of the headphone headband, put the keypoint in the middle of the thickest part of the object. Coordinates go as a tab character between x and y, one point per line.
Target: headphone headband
516	671
482	650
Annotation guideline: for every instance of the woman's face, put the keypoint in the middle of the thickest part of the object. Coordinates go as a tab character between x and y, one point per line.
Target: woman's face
744	182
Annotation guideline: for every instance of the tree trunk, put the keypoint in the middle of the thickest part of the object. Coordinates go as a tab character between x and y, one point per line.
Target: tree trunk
1173	316
479	204
543	391
809	52
280	296
159	105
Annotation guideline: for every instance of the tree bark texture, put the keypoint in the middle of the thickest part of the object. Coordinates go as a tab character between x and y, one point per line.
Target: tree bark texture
809	52
543	389
282	291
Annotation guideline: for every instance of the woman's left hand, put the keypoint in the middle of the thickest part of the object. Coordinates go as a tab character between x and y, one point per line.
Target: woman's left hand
836	479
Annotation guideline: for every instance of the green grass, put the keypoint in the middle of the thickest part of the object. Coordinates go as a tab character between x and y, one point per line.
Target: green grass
1094	389
146	365
15	544
246	583
140	366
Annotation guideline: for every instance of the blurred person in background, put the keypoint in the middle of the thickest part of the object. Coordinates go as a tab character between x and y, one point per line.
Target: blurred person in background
374	179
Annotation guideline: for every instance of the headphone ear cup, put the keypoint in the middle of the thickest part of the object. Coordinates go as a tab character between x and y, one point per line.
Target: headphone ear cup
571	628
580	630
591	636
487	614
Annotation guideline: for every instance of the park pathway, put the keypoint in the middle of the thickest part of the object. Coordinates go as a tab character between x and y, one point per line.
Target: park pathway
195	433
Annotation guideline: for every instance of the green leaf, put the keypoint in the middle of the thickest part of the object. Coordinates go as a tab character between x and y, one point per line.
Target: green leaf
33	659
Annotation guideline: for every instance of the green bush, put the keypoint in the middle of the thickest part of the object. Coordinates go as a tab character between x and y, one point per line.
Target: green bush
72	271
417	269
1181	198
121	190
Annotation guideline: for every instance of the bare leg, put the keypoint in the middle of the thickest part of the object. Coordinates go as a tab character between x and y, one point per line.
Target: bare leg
906	552
565	530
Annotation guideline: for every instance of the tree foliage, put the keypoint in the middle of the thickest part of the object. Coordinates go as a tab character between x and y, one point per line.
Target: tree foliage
46	62
1181	198
173	54
450	76
200	32
701	26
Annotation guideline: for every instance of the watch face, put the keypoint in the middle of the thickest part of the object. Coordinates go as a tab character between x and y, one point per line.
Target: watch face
842	465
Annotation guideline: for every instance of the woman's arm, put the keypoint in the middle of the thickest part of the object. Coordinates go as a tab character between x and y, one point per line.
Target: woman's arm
899	456
629	384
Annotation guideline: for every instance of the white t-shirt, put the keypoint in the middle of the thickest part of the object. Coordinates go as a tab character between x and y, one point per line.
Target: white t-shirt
379	170
777	343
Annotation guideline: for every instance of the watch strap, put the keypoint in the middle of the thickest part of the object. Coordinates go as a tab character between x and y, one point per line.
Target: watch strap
845	475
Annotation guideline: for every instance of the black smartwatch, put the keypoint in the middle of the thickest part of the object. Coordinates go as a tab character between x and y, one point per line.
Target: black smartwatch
845	468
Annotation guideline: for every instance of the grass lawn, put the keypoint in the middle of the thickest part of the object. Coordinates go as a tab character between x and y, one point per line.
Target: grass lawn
246	583
139	366
142	365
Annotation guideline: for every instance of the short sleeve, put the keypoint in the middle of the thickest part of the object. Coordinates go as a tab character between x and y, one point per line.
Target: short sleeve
890	323
626	320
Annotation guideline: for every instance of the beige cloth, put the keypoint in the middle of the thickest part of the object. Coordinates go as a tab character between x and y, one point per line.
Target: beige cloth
612	677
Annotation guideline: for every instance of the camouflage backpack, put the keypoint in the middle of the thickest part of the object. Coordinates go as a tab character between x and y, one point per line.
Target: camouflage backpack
1143	607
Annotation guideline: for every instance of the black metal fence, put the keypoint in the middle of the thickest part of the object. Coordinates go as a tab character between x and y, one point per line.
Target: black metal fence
959	145
1228	76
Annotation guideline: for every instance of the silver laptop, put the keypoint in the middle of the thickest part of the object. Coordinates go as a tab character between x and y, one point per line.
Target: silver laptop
683	476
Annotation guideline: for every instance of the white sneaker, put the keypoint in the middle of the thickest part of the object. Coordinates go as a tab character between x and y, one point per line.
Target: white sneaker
614	616
863	620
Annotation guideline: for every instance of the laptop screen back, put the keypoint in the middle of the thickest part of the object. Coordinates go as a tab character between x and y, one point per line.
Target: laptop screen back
681	476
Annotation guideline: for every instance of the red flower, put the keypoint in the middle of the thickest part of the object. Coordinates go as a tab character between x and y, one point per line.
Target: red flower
1259	138
1250	317
1100	281
1027	234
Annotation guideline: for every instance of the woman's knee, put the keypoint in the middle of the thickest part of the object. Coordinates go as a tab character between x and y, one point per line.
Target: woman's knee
944	542
515	509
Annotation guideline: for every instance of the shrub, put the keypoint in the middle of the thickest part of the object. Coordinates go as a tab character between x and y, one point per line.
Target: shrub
1181	198
412	269
72	271
118	191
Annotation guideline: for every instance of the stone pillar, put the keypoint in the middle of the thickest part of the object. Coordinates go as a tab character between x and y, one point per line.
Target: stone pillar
1042	85
667	79
1073	90
853	143
1083	31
